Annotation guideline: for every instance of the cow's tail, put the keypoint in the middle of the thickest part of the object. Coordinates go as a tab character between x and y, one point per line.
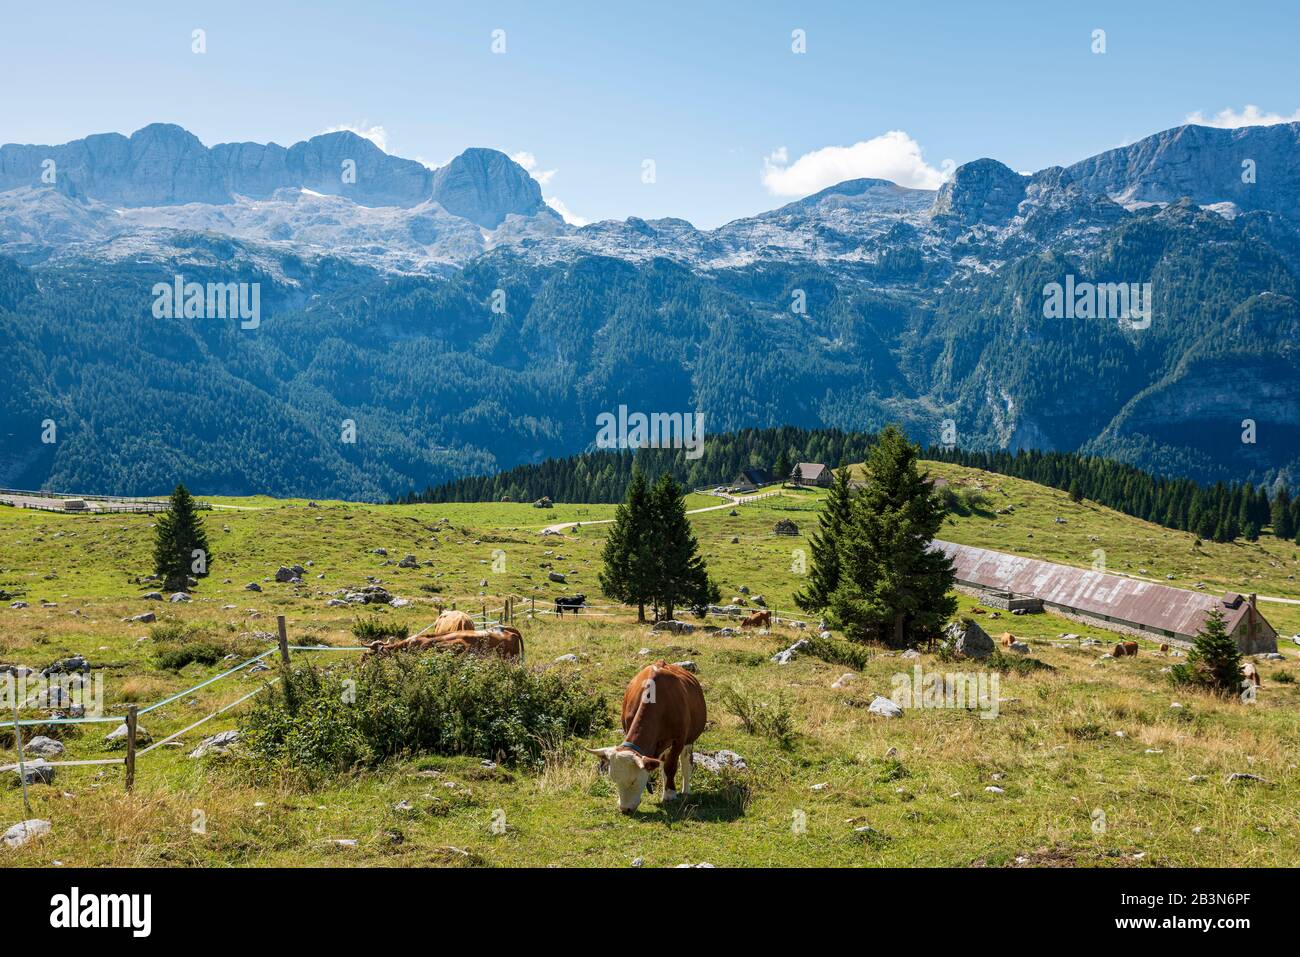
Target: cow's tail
522	660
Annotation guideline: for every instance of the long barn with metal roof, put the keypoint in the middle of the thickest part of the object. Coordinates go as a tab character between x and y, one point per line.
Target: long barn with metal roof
1129	603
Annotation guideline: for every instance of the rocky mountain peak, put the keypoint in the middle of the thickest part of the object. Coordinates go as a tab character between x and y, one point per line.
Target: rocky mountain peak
982	191
484	186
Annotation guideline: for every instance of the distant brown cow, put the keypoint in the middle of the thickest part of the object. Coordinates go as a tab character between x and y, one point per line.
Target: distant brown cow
759	619
451	620
663	714
1250	673
504	642
1125	649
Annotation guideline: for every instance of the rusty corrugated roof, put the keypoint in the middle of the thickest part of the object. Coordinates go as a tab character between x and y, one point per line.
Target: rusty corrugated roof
1129	600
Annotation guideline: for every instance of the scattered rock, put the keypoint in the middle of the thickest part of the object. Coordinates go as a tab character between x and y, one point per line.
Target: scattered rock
43	747
844	680
179	597
252	586
283	574
557	577
969	639
1019	647
117	737
791	653
910	653
408	562
715	761
568	657
36	771
152	596
25	831
884	707
687	666
994	789
1245	778
218	744
677	627
143	619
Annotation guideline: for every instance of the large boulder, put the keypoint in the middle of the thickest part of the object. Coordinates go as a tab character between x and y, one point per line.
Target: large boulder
117	737
24	831
43	747
217	744
967	639
36	771
283	574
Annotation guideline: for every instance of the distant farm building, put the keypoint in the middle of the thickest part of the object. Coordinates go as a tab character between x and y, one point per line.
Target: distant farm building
811	473
1112	601
751	480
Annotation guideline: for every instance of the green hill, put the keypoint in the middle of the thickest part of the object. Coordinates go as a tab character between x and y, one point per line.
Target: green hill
919	781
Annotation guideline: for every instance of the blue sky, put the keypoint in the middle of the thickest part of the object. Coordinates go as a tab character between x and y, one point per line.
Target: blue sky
710	91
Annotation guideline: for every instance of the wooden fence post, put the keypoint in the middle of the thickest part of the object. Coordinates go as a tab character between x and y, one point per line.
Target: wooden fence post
22	762
532	607
132	722
284	640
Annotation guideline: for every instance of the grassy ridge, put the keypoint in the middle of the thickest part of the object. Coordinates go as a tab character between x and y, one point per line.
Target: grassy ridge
1054	743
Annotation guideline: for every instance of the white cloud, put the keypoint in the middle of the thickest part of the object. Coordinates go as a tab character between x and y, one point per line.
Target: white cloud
376	134
529	162
894	156
557	204
1250	116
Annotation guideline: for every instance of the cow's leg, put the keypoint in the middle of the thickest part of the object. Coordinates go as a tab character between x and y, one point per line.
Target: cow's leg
689	753
670	774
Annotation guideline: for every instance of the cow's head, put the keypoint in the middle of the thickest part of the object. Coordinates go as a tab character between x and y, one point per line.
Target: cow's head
629	771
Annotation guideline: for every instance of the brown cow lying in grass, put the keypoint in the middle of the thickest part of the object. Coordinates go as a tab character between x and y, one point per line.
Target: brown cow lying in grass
759	619
1125	649
450	621
505	642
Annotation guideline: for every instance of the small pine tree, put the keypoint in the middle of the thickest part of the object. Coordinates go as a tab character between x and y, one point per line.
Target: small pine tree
180	543
678	575
1076	492
1283	527
1214	663
627	554
824	544
782	467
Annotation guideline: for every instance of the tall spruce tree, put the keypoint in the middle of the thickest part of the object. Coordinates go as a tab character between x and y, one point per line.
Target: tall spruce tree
1214	661
824	545
180	544
678	575
628	557
1281	514
893	587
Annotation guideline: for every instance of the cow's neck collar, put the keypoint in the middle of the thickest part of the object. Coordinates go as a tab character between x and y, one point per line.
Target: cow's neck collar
629	744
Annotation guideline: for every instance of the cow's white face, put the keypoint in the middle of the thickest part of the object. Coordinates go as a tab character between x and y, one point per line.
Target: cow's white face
630	772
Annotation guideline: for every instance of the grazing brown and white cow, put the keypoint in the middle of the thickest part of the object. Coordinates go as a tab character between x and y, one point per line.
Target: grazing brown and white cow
451	620
759	619
663	714
1250	673
1125	649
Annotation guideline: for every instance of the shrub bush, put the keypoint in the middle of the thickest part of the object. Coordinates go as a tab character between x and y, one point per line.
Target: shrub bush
375	628
174	657
838	652
761	716
350	716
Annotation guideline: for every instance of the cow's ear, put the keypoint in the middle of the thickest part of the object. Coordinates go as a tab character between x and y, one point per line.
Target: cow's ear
650	764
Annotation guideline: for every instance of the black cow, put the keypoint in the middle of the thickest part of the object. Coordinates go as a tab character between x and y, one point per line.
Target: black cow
569	601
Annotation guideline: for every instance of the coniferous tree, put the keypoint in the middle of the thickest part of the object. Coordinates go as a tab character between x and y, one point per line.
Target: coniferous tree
1281	514
678	575
1214	662
824	545
627	554
180	543
893	587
